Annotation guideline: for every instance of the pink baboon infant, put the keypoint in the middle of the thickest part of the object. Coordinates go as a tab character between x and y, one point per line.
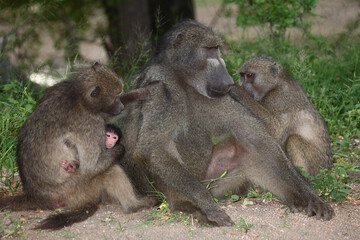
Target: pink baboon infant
113	134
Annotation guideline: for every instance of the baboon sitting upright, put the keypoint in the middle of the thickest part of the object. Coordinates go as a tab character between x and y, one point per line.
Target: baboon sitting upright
170	135
68	124
290	116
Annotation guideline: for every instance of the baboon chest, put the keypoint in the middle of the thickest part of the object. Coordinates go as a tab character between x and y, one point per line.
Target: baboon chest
195	149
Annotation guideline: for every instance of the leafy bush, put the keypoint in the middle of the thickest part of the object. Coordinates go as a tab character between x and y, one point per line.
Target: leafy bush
332	185
279	14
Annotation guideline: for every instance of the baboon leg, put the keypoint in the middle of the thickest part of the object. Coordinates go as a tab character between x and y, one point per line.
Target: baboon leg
306	155
18	203
118	186
178	203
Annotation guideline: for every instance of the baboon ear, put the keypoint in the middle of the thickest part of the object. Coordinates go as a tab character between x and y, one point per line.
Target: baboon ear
178	39
94	93
274	69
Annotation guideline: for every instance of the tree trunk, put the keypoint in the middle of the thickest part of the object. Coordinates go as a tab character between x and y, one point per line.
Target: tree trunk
132	22
166	13
128	29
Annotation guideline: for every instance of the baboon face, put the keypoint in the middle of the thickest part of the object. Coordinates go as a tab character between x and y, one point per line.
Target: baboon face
111	139
219	80
259	76
193	50
104	91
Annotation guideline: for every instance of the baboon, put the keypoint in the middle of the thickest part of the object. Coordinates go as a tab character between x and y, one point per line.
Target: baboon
69	124
171	135
113	134
290	116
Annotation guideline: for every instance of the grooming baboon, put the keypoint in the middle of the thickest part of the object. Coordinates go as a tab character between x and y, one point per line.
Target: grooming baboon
68	124
171	134
290	116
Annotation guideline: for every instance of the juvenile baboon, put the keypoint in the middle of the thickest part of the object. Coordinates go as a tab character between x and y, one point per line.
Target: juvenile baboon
68	124
290	116
170	135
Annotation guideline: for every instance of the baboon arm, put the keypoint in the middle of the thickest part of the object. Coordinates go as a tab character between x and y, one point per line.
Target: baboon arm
239	94
97	159
131	96
306	154
139	94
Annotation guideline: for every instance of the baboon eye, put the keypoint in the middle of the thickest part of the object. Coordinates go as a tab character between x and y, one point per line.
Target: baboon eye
115	138
249	75
213	47
95	92
242	75
108	135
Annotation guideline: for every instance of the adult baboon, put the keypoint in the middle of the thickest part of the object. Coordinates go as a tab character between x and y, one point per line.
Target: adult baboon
69	124
171	134
289	115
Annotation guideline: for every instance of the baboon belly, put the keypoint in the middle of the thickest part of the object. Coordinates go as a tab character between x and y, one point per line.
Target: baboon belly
227	155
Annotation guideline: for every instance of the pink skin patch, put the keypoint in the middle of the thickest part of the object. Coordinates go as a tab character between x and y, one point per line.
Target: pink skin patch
60	203
111	139
70	168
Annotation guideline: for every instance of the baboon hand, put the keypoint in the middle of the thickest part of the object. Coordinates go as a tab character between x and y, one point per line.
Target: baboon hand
219	217
320	209
117	151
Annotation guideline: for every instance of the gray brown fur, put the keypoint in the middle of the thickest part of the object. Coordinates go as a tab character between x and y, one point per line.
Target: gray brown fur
290	116
170	135
69	124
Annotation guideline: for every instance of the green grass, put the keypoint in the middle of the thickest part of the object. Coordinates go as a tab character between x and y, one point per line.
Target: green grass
10	226
17	101
164	214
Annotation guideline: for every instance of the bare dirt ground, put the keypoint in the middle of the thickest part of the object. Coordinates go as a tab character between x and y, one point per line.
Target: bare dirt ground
264	219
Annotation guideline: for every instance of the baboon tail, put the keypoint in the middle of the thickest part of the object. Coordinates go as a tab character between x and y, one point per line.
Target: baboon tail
17	203
58	221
